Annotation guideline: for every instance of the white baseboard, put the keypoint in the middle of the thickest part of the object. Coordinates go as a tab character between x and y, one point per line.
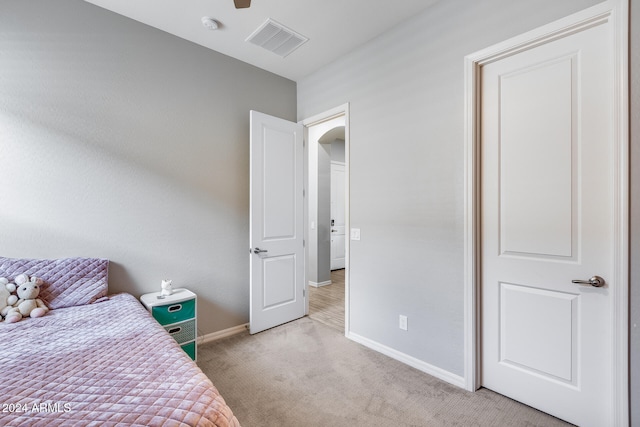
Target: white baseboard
202	339
317	285
409	360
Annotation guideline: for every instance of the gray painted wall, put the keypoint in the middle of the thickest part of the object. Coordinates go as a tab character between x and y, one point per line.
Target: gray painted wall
124	142
407	86
337	151
324	213
327	152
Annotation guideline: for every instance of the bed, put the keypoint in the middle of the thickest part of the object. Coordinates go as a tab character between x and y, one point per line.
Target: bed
96	359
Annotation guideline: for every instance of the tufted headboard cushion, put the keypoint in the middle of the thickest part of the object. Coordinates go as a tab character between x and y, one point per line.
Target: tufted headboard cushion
67	282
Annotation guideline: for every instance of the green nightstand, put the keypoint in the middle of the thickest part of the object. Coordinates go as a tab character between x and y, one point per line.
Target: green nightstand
177	314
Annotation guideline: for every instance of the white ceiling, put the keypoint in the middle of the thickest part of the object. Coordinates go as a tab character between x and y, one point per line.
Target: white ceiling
334	27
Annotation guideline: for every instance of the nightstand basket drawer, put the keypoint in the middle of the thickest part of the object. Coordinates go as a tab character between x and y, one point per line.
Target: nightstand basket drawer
173	313
183	332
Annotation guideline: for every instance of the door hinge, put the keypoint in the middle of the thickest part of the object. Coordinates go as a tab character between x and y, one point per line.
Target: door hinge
304	292
304	243
304	193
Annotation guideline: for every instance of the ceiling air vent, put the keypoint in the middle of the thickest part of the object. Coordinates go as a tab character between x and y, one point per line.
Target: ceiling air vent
277	38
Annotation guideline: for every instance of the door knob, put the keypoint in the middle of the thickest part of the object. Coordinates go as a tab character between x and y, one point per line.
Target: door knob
595	281
258	250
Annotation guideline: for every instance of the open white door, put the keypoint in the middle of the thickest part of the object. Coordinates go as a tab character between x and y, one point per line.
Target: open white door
276	222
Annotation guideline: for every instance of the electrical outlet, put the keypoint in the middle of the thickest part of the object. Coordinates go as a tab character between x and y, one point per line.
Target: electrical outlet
403	323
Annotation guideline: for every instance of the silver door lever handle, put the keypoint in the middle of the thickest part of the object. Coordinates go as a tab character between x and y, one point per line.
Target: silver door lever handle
595	281
258	250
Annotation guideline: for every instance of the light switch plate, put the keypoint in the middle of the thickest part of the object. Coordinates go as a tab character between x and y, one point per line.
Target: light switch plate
403	322
355	234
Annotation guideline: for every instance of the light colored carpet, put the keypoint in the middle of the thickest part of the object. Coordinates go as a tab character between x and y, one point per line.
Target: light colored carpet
305	373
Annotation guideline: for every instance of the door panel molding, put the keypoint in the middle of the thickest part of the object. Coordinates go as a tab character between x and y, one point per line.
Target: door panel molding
614	12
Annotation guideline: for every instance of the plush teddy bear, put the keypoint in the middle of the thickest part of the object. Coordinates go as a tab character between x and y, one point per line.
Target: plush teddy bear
29	305
7	300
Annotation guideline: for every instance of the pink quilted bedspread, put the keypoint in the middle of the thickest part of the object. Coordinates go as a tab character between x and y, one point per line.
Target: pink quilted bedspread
103	364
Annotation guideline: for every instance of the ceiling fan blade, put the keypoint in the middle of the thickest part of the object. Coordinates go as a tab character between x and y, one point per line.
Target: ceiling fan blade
241	4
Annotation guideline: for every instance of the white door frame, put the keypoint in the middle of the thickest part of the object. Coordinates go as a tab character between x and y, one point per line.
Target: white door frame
341	110
617	11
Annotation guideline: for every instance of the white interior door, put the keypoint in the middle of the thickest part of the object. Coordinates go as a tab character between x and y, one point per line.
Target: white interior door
338	243
547	219
276	222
